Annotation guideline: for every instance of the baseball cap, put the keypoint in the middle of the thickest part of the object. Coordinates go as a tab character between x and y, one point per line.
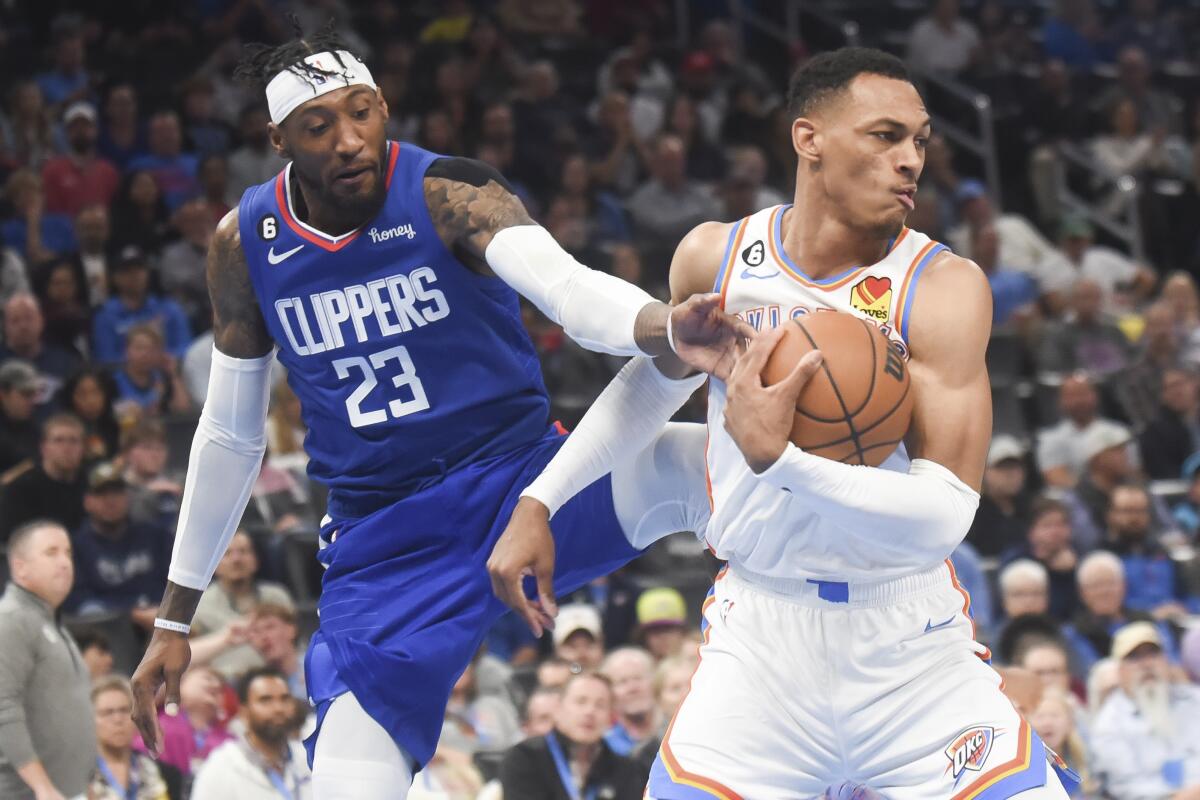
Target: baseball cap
1104	435
1004	448
661	607
131	256
970	189
80	109
18	375
576	617
105	475
1075	227
1133	636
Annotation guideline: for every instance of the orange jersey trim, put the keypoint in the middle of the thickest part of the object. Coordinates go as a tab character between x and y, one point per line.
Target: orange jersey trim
1018	764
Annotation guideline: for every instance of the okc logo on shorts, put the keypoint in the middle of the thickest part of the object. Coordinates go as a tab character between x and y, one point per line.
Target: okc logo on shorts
970	749
873	297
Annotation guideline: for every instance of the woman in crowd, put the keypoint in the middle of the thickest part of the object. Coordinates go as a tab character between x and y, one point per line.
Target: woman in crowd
61	291
121	773
88	394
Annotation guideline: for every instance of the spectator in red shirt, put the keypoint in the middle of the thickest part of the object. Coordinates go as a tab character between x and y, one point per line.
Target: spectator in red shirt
80	177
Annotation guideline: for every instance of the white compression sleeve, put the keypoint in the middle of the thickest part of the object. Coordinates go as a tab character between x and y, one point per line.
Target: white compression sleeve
227	452
927	510
595	309
625	418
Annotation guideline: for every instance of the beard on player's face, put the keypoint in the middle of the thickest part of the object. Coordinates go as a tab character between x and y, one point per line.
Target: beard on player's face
318	174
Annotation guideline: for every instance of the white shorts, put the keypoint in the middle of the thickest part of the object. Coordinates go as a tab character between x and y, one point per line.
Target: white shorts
804	686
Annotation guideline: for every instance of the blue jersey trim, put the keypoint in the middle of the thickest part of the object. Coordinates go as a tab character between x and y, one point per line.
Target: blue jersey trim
911	292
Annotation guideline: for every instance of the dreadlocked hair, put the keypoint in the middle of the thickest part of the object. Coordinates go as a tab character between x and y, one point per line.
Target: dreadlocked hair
262	62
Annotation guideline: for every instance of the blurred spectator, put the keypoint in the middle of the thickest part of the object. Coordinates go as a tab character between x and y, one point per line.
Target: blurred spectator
68	80
578	638
133	304
148	379
1102	590
1174	434
601	211
281	501
140	214
233	596
553	672
1107	453
662	619
1060	449
273	635
1154	584
540	710
669	205
182	273
120	565
205	132
53	488
23	329
1154	30
120	772
1133	148
26	137
19	435
1074	35
1087	339
616	150
122	135
285	429
1139	388
96	651
1054	721
1003	514
47	740
88	395
174	171
255	161
1109	269
631	671
537	769
35	234
1024	588
1182	297
477	722
93	230
80	177
190	735
1155	110
723	47
1013	292
1144	736
1102	681
751	163
1186	511
214	183
1048	542
705	161
943	41
541	18
154	497
266	757
62	293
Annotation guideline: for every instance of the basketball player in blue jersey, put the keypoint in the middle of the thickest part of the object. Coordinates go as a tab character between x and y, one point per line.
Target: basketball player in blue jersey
384	275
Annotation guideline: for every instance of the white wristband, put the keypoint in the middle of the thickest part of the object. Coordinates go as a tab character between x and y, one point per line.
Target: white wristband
171	625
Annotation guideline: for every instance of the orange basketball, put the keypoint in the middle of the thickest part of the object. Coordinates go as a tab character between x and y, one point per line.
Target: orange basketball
857	407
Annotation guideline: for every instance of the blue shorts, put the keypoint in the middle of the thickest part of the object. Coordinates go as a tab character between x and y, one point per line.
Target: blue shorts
406	599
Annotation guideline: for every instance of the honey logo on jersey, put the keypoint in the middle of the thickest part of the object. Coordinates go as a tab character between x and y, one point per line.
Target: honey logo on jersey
873	297
970	750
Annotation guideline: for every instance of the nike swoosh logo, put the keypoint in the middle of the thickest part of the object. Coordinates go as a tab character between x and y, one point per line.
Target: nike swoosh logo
748	274
929	626
276	259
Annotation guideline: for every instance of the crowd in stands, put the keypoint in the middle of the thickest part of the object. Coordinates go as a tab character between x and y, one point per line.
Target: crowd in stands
124	139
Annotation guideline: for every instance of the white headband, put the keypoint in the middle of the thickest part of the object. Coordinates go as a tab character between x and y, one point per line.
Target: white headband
287	90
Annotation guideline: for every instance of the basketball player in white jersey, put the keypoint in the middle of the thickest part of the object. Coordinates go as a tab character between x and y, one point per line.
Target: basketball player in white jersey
838	642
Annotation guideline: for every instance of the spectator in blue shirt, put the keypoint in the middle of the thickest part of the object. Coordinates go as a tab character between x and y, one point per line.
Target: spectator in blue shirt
120	565
68	81
131	303
1187	510
34	234
148	382
1048	542
1013	292
174	170
1151	576
1073	34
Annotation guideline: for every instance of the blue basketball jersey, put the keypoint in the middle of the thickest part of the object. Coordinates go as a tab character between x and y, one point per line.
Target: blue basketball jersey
405	361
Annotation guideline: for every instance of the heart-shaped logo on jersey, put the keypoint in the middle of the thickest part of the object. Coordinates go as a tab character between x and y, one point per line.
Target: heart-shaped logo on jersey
873	297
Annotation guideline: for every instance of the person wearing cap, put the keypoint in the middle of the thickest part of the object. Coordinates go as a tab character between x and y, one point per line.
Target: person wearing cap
631	670
174	170
1004	504
662	620
1108	268
1174	433
19	434
132	303
1060	448
53	488
79	177
1048	542
120	565
1108	454
1146	737
579	636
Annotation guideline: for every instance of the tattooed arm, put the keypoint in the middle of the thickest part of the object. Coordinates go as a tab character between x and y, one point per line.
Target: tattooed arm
226	454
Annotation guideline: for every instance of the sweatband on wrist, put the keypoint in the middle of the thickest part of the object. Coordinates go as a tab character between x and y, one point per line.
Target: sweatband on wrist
172	625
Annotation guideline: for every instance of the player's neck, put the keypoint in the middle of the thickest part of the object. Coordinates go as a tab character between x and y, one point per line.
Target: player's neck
823	245
326	219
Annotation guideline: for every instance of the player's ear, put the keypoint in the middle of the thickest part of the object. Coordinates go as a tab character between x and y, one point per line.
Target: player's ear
804	140
275	134
382	103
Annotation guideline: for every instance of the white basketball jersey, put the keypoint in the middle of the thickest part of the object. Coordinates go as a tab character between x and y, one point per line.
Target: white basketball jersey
754	525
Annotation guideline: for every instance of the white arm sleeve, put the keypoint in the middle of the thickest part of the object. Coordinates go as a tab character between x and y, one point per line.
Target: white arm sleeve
595	309
226	455
623	421
928	509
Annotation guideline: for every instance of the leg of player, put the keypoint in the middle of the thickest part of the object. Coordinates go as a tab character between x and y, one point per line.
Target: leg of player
662	489
355	757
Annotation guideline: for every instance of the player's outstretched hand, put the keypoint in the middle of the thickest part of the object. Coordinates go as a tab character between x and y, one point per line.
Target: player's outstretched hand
759	418
526	548
167	657
706	338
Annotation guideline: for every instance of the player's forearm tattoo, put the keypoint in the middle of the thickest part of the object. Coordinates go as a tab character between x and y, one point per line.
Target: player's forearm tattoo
238	327
469	216
179	603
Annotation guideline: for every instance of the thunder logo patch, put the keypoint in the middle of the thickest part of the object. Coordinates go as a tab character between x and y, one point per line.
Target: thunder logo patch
970	750
873	297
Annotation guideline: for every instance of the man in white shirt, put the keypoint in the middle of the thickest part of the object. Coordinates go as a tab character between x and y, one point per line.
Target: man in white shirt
1146	738
1112	270
942	41
1062	448
268	762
